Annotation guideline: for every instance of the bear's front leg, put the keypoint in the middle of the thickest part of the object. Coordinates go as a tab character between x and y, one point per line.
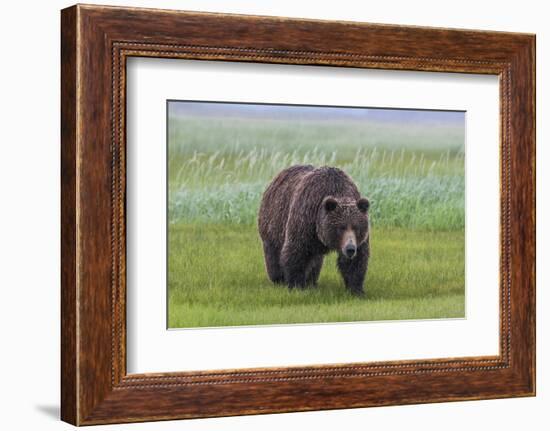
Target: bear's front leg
313	269
294	264
354	270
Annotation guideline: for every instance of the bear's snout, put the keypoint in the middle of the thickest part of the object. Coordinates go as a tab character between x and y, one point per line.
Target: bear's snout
350	250
349	242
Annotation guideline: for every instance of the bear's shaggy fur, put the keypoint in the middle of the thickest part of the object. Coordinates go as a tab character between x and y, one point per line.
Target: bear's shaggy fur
307	212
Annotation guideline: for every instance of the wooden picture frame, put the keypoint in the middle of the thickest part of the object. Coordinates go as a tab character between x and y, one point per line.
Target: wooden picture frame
95	43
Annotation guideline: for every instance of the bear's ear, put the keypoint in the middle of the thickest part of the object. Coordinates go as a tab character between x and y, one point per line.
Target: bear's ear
330	204
363	205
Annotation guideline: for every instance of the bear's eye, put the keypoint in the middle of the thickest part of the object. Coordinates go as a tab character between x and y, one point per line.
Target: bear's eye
342	228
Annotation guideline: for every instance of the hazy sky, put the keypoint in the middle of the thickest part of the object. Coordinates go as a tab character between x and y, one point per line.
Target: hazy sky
299	112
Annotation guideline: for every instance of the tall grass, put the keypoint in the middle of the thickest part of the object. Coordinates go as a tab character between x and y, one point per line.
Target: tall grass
421	186
210	134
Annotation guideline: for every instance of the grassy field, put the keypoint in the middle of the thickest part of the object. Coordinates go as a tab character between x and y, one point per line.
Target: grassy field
218	169
412	275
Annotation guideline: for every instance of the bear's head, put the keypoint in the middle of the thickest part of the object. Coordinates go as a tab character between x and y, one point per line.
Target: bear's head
343	224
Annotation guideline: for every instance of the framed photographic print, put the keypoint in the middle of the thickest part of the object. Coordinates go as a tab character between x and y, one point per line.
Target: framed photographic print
264	215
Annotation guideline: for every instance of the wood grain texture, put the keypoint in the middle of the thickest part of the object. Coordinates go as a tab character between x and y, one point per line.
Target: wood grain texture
96	41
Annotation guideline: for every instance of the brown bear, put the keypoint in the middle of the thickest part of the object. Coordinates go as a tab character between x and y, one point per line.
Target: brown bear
307	212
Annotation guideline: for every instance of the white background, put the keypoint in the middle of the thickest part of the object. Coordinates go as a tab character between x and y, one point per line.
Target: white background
29	226
151	348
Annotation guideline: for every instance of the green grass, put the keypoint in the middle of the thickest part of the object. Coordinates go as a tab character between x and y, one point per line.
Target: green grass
217	278
218	168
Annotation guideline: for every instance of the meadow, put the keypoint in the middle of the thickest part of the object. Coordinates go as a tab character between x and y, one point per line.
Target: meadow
218	168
